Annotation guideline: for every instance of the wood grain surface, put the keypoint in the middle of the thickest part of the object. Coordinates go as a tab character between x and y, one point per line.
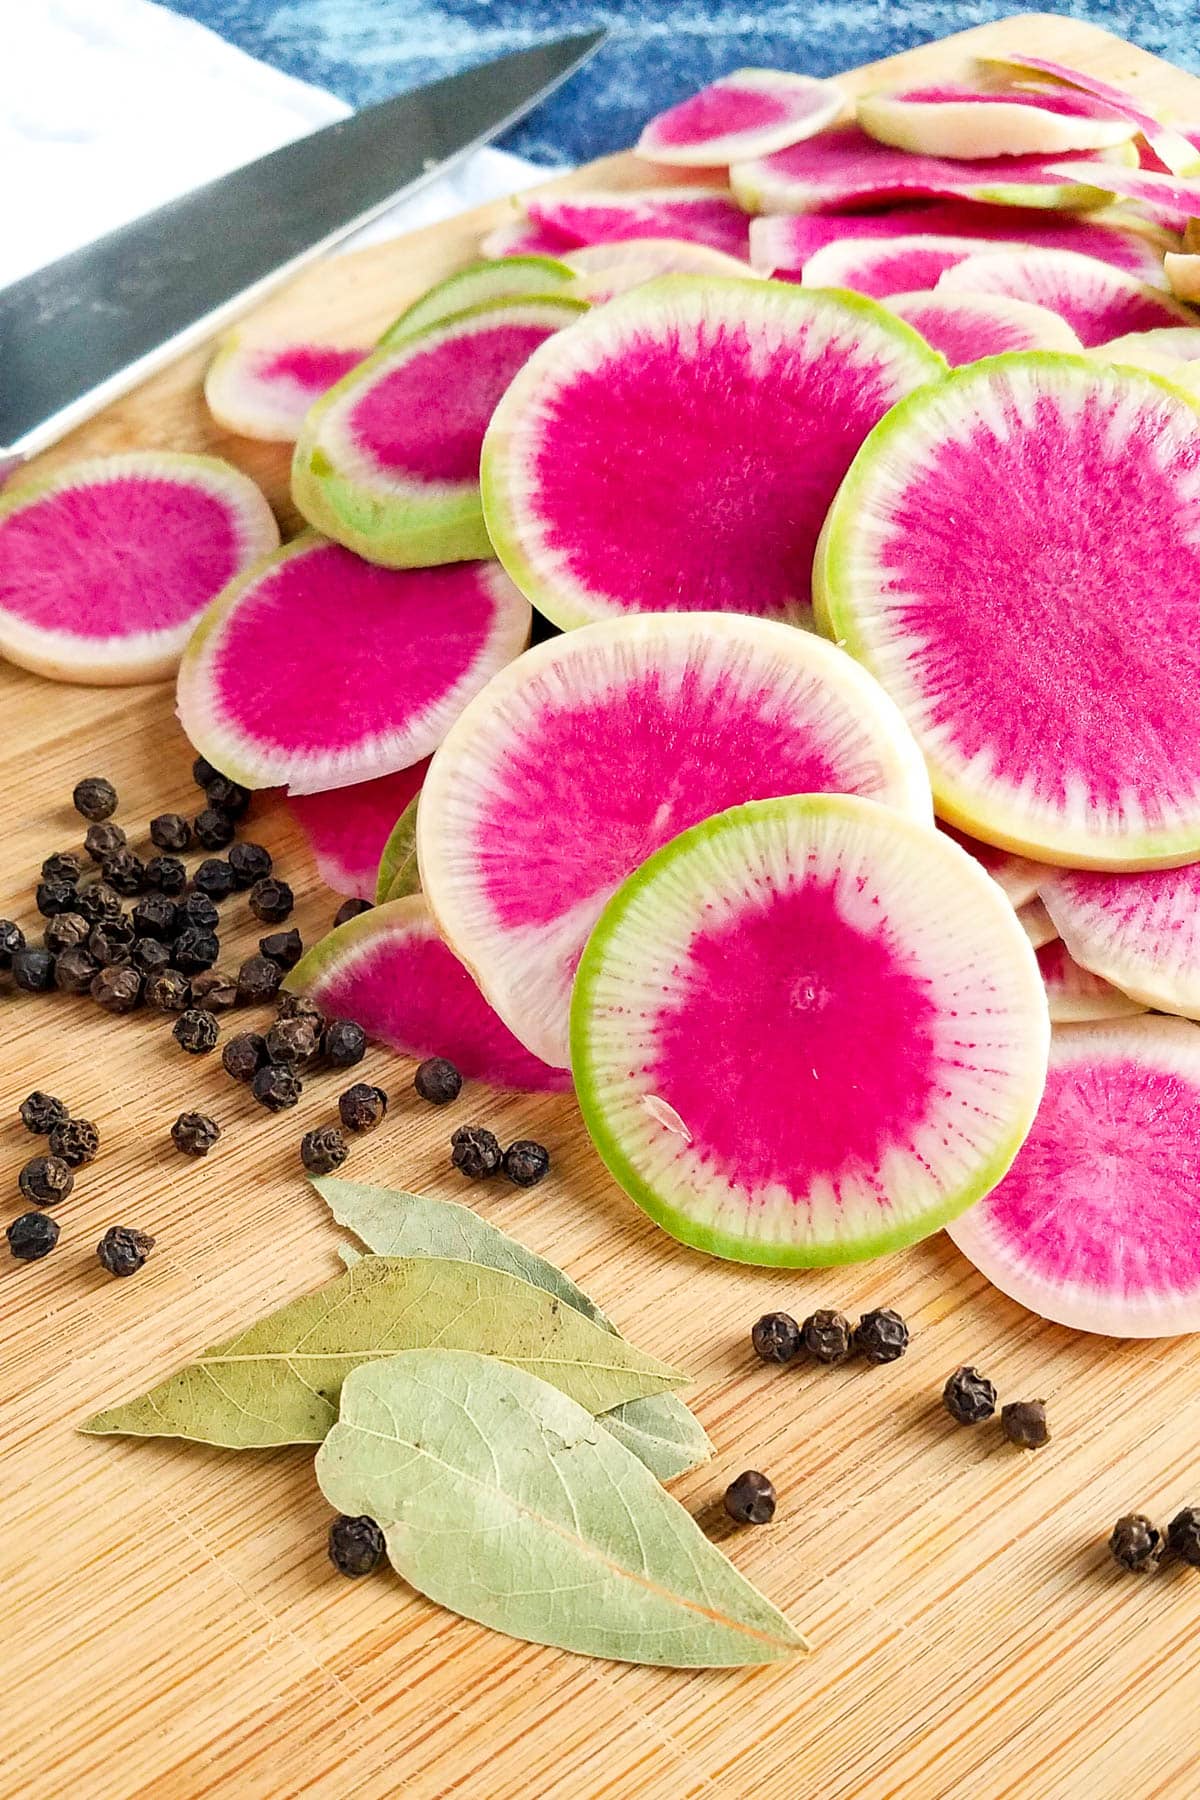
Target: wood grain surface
171	1627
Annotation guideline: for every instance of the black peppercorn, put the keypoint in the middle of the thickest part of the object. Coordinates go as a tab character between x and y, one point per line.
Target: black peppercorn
1183	1536
214	991
40	1113
881	1336
258	979
75	970
195	949
12	939
250	863
356	1546
33	970
827	1336
969	1397
344	1043
103	841
77	1141
244	1055
150	956
323	1151
1136	1543
276	1086
170	831
214	877
203	772
168	991
32	1236
751	1499
525	1163
67	931
54	897
776	1337
225	796
99	903
94	798
196	1031
122	1250
350	909
213	830
271	900
293	1041
438	1081
476	1152
125	871
45	1180
111	941
166	875
283	947
1023	1423
361	1107
118	989
64	865
299	1006
156	916
199	911
195	1133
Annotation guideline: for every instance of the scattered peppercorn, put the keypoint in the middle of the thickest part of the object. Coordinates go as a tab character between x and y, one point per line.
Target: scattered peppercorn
195	1133
271	900
283	947
66	931
225	796
45	1180
293	1041
215	991
215	878
166	875
54	897
276	1086
1183	1536
826	1336
118	989
203	772
776	1337
199	911
94	798
64	865
168	991
1023	1423
343	1042
170	831
99	902
195	949
525	1163
250	863
881	1336
77	1141
258	979
969	1397
103	841
350	909
356	1546
244	1055
122	1250
12	939
324	1150
213	830
438	1081
40	1113
75	970
125	871
361	1107
1136	1543
32	1236
111	941
299	1006
476	1152
196	1031
33	970
750	1499
156	916
150	956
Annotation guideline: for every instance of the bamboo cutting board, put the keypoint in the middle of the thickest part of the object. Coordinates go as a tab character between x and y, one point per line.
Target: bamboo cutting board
171	1628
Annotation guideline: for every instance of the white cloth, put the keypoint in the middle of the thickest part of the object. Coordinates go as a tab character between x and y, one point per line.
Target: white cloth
111	107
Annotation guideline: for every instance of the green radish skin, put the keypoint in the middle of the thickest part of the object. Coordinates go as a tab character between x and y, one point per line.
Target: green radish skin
482	284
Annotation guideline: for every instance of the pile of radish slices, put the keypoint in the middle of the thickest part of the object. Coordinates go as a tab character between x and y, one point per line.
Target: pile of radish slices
857	465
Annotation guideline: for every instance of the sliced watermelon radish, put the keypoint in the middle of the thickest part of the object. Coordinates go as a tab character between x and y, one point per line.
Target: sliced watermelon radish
596	747
1182	270
348	827
602	271
1140	932
988	558
1098	303
398	874
317	670
748	113
1037	924
518	237
1169	200
698	215
388	461
1164	350
106	565
1076	996
843	169
970	123
1016	876
807	1031
1095	1224
389	970
966	327
901	265
264	390
1173	151
737	405
480	284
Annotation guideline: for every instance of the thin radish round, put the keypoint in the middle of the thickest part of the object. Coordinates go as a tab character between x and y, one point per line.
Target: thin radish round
901	265
698	215
1019	878
348	827
481	284
1140	932
1170	147
518	237
1098	303
748	113
264	390
1076	996
602	271
966	327
1179	343
970	123
1169	200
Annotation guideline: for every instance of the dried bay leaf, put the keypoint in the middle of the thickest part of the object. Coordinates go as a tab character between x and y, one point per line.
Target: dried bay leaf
660	1430
398	874
501	1499
279	1381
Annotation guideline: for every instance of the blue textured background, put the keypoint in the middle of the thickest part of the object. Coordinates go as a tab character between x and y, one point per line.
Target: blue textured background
366	49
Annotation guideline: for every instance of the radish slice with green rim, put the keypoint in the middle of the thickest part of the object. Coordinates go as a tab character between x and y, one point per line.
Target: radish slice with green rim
481	284
106	565
593	749
1098	303
317	669
349	827
1095	1224
1173	150
390	971
1173	344
720	415
807	1031
1170	200
967	327
1004	632
698	215
1076	996
388	461
1139	932
967	123
602	271
518	237
264	390
748	113
901	265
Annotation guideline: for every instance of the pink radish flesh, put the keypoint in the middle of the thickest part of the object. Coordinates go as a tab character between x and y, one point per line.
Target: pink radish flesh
264	391
348	827
965	327
696	215
748	113
897	266
1099	304
1170	200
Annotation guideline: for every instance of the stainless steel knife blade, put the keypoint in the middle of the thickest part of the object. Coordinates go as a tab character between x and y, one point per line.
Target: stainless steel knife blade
79	332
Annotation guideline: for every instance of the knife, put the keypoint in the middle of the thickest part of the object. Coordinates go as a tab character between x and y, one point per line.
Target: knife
79	332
